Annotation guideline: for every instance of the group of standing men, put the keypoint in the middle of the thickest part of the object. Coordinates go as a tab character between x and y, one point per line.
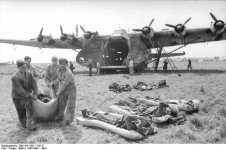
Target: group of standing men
25	90
165	63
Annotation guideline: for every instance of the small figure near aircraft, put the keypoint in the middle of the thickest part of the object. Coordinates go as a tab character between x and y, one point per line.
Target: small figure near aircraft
165	62
111	50
189	64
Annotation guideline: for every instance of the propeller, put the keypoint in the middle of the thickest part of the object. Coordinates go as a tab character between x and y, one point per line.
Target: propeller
88	34
40	34
147	29
214	18
179	28
151	22
68	37
40	37
63	36
218	24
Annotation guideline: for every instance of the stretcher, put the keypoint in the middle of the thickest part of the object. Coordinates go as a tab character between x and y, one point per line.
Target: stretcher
44	110
116	109
129	134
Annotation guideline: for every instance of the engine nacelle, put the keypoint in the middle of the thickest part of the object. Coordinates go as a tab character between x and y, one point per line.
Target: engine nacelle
63	37
180	31
72	39
148	32
87	35
217	27
50	41
40	38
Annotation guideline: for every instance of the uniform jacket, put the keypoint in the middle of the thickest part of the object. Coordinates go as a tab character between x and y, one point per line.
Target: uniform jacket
33	71
51	73
23	85
131	63
66	81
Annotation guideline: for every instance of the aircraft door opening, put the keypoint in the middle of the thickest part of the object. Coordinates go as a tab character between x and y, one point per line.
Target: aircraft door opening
115	53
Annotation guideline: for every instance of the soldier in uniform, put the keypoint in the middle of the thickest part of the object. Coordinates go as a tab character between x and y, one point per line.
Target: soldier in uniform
165	62
24	90
72	67
189	64
30	68
67	92
98	68
51	74
131	69
90	65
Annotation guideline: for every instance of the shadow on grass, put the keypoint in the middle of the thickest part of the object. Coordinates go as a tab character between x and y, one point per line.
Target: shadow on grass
71	132
19	135
199	71
106	72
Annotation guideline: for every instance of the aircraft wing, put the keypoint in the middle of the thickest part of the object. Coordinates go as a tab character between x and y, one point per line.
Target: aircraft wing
21	42
167	38
55	43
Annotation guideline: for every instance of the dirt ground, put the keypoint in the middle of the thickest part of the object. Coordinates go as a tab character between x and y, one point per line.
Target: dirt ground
206	83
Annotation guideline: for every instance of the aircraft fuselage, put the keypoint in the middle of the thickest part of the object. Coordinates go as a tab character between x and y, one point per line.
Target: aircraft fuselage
110	52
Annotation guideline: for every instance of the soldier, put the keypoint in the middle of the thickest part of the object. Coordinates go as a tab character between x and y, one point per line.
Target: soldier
72	67
131	69
24	90
124	62
30	68
98	68
189	64
165	62
67	92
51	74
90	65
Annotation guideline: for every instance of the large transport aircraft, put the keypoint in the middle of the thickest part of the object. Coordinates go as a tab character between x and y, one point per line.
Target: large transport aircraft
113	51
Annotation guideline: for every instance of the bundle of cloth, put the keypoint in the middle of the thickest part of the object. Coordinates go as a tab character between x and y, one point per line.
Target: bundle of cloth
129	126
119	88
149	86
160	112
45	106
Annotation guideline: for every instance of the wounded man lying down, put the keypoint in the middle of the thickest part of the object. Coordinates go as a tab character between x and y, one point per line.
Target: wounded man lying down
139	124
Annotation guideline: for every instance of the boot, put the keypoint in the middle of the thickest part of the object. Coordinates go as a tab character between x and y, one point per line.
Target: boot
31	125
84	113
59	118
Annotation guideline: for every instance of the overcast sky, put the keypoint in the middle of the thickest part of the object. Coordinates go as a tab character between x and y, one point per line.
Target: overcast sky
23	20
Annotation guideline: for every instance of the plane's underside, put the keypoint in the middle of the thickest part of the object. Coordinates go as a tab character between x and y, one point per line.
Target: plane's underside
115	50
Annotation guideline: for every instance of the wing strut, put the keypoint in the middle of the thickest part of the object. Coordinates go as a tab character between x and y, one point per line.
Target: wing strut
172	65
147	62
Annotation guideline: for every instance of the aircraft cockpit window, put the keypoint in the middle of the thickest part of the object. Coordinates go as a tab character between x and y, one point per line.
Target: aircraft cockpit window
119	31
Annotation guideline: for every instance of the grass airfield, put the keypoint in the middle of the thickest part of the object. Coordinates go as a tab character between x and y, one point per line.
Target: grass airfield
207	82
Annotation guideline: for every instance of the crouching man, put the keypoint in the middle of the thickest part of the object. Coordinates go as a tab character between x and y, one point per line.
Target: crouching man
67	92
24	90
